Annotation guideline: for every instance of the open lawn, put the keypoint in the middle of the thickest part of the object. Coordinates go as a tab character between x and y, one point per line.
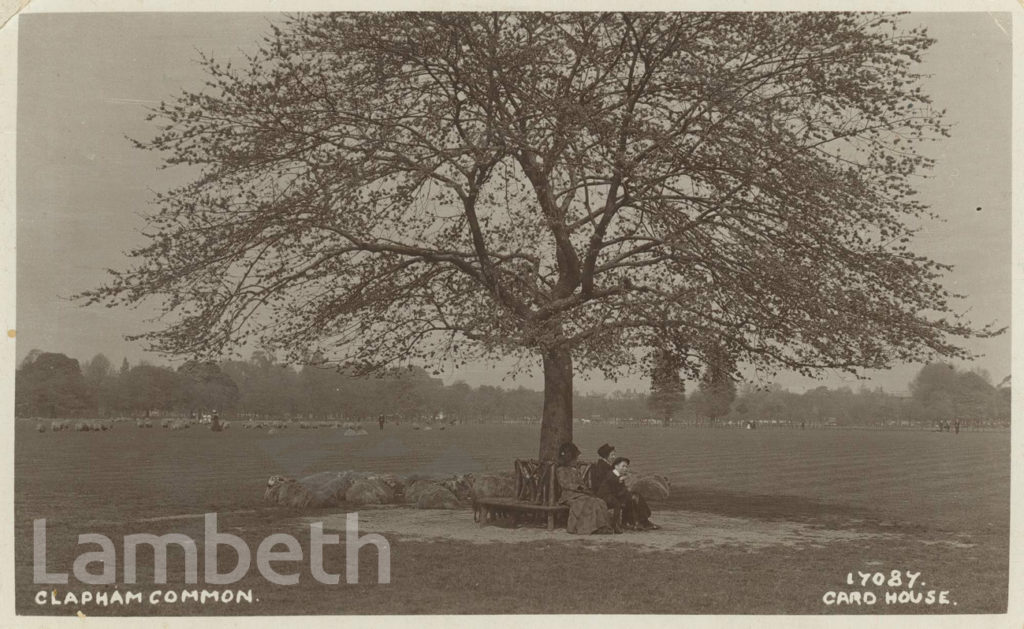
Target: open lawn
763	521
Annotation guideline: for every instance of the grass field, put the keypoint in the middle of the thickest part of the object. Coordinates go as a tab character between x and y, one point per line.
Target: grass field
931	502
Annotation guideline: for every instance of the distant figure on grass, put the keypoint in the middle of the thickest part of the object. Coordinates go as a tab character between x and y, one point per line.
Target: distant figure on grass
587	513
215	422
603	467
956	426
380	422
630	509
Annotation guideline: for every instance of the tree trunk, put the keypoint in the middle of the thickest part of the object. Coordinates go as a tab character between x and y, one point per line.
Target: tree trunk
556	422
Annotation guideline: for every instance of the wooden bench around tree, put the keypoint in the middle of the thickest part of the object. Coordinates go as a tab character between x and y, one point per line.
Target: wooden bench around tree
536	496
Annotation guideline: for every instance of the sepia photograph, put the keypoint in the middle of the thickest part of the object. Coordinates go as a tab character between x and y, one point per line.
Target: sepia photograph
359	311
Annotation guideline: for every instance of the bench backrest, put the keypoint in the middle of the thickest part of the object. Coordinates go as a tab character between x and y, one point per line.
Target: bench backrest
535	480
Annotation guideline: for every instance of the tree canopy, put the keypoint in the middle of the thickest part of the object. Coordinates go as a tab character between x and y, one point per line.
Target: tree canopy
50	385
379	188
207	386
945	393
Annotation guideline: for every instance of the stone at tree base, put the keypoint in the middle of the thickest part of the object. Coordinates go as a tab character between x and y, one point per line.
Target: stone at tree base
369	492
437	497
493	486
650	486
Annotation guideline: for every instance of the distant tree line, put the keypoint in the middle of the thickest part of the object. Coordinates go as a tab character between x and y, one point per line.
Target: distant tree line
54	385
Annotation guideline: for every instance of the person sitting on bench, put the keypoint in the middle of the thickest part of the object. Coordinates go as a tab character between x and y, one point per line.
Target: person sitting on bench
613	491
629	508
603	467
587	513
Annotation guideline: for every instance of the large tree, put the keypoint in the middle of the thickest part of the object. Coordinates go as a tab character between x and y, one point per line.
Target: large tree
580	188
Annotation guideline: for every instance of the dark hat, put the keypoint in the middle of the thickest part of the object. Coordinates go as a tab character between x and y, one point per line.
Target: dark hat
605	450
619	459
567	452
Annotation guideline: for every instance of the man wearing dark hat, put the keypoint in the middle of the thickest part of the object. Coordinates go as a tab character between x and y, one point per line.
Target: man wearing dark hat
603	467
630	509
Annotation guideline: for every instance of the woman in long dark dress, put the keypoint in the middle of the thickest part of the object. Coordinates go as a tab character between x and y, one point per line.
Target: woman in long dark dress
587	513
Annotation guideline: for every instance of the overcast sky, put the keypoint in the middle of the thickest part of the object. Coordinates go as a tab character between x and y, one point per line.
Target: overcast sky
84	81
